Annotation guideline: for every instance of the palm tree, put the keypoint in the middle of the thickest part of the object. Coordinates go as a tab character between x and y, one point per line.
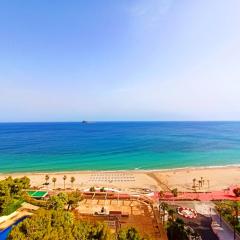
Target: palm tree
174	192
72	180
46	179
161	194
171	213
176	230
70	204
164	207
199	184
54	181
64	179
201	181
194	183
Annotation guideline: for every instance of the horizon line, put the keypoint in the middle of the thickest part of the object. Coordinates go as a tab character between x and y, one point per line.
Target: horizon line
115	121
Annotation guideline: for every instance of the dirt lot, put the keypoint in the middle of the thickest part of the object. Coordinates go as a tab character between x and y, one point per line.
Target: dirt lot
137	214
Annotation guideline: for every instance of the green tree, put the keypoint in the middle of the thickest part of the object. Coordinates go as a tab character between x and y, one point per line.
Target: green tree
81	230
63	196
57	202
14	186
4	189
73	199
15	189
164	206
26	182
45	224
129	234
5	203
86	231
176	230
11	194
175	192
58	225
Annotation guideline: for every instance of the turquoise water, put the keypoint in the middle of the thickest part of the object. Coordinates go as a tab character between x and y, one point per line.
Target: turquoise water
117	145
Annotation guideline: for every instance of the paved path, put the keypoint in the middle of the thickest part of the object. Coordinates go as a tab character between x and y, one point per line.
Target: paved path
207	209
224	232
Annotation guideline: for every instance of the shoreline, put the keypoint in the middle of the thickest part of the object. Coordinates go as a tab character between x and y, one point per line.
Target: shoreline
229	166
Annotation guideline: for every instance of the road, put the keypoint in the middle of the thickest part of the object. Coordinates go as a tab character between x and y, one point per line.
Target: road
223	231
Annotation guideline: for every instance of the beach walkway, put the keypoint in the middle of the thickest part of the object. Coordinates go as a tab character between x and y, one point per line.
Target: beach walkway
223	231
202	196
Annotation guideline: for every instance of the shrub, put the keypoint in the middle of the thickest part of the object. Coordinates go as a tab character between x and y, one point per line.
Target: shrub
12	206
176	230
39	203
236	191
130	234
175	192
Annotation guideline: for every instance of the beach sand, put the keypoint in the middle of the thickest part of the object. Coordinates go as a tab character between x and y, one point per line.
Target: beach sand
217	178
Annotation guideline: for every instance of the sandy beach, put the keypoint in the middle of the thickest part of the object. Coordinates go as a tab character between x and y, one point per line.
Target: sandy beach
217	178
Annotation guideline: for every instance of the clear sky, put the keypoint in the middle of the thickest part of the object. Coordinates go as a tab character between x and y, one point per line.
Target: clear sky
119	60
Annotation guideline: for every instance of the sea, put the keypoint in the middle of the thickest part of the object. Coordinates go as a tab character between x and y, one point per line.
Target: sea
41	147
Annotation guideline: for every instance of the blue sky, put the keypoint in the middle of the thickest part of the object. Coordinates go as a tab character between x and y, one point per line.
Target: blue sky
119	60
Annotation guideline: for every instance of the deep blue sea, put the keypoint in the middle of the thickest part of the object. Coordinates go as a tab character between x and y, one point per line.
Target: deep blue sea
117	145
